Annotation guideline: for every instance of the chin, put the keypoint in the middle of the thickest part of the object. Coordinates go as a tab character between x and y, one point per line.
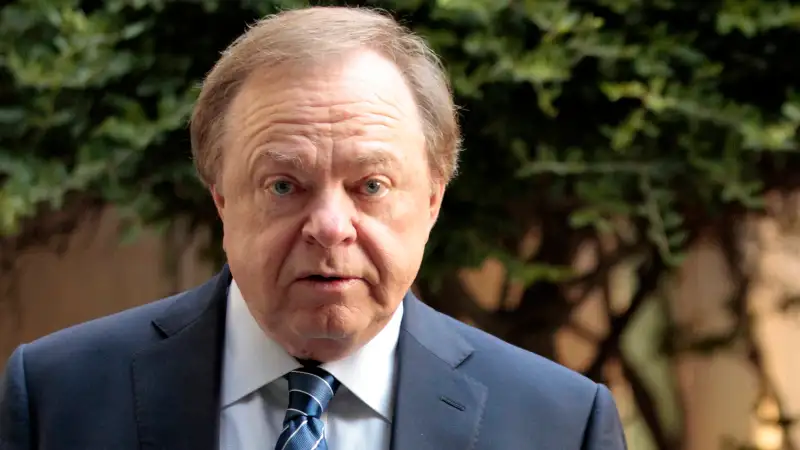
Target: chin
323	350
335	322
326	338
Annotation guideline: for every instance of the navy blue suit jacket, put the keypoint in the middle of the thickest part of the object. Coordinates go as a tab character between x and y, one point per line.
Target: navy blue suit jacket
149	378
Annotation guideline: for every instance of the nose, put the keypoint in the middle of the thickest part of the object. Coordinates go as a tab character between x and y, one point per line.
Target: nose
330	221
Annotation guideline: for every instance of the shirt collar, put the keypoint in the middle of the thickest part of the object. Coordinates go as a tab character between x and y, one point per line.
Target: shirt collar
369	373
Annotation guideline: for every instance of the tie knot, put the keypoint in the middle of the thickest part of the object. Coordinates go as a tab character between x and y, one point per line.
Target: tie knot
310	390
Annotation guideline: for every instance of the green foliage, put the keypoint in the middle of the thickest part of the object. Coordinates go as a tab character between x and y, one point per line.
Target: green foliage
663	113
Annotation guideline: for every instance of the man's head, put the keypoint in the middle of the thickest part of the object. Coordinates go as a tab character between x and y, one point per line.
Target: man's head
327	137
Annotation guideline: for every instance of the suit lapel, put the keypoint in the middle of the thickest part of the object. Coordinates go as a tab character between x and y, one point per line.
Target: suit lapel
436	406
177	380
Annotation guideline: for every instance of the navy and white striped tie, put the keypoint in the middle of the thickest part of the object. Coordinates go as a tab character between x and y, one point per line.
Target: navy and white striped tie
310	390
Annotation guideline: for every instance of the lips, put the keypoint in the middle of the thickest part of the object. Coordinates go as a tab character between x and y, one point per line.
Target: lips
324	275
325	278
324	284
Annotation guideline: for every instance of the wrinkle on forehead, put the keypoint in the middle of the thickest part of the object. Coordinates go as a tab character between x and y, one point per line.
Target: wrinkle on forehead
301	160
333	120
364	84
363	105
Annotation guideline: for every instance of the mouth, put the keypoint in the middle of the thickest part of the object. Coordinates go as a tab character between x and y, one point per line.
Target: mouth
325	278
328	282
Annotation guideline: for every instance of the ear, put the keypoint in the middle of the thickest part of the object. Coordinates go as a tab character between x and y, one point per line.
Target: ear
219	200
435	204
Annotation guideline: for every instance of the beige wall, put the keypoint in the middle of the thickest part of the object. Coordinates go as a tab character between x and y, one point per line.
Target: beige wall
98	276
711	396
718	390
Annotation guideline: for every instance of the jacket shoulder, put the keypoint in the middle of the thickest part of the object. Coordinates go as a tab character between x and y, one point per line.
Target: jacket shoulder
541	395
501	364
107	338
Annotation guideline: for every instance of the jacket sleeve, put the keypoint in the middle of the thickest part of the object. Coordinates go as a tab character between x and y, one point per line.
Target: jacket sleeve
15	421
604	429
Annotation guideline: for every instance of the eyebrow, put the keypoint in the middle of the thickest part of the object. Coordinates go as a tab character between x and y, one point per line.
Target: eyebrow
280	157
377	158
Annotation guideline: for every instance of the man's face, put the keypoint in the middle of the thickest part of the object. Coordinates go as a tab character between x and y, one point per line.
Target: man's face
326	199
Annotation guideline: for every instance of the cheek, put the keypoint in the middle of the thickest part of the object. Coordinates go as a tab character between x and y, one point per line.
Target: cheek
407	215
240	223
396	236
255	233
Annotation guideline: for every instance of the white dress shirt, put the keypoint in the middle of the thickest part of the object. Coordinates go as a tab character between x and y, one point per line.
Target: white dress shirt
255	394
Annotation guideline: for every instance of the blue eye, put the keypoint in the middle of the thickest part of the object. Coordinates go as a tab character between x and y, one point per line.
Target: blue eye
281	188
373	187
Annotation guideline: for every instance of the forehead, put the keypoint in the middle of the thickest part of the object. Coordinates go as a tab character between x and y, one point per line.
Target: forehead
359	96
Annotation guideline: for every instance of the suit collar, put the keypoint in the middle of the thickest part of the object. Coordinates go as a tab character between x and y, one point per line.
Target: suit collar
192	305
434	332
369	373
242	373
437	406
176	381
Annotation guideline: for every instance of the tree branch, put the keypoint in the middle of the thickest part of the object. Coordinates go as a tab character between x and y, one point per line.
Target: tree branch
605	265
647	407
648	275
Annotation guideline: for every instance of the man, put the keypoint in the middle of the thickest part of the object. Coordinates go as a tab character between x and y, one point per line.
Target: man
326	137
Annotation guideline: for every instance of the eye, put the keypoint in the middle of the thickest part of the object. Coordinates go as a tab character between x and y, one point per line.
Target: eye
373	187
281	188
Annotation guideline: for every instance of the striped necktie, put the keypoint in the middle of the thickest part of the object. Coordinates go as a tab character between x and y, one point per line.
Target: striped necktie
310	390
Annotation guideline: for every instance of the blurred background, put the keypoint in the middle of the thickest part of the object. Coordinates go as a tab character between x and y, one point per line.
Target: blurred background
627	204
